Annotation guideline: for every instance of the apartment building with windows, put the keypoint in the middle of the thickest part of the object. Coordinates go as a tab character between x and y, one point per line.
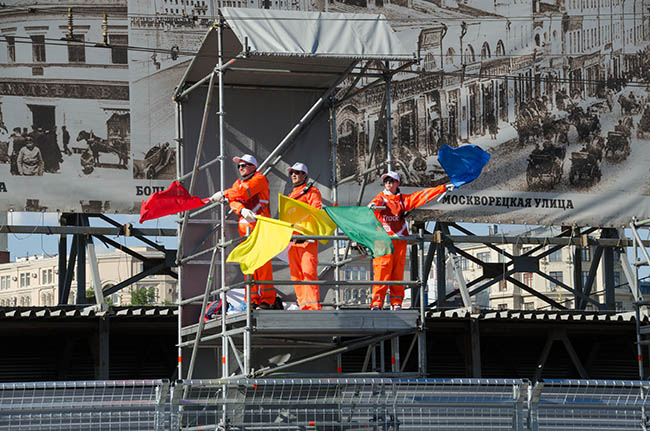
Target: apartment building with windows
559	265
33	280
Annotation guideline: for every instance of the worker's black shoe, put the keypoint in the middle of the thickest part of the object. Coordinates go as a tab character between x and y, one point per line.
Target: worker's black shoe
265	306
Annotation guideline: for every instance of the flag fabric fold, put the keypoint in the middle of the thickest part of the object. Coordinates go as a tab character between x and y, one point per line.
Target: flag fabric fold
305	218
463	164
361	225
172	200
269	237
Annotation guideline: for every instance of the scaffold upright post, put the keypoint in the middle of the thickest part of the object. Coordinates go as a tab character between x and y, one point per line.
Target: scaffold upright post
335	247
222	209
389	152
421	334
179	172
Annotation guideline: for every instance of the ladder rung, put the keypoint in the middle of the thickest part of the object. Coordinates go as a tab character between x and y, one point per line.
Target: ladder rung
644	330
644	342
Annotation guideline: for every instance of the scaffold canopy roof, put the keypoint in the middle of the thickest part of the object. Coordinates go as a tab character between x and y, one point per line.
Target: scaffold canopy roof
294	49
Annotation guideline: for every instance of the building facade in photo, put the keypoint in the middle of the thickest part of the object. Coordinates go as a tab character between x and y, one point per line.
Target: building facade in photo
65	86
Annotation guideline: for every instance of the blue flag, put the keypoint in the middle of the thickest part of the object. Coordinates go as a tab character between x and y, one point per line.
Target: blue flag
463	164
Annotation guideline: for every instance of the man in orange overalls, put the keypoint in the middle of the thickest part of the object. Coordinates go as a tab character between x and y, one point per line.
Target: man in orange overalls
249	197
303	254
392	217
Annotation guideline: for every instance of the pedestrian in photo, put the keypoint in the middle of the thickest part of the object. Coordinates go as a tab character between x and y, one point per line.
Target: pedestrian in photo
492	125
65	136
50	151
18	141
249	197
303	254
391	208
29	160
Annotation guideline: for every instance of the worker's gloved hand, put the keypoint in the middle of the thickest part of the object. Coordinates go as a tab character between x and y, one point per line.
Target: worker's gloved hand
372	206
248	215
217	197
450	187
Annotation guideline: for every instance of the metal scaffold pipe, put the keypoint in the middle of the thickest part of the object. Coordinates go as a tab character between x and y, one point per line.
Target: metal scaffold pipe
222	209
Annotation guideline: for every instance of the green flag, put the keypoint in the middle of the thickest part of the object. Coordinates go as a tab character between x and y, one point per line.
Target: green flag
361	225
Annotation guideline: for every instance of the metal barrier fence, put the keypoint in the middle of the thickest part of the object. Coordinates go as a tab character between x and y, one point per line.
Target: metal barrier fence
326	404
349	404
87	405
589	405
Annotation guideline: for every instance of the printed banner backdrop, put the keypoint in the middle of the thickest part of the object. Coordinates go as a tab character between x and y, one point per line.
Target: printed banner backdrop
556	91
65	117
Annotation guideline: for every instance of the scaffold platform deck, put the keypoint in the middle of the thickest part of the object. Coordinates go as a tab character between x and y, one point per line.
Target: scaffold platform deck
301	323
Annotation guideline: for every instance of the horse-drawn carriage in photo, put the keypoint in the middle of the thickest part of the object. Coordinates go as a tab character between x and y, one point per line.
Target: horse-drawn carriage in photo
545	168
115	145
584	169
617	147
629	104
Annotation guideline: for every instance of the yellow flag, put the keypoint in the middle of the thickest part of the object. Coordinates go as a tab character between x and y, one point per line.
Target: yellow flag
305	218
269	237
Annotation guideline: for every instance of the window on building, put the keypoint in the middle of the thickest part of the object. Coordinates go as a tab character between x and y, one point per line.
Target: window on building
585	254
619	306
5	281
528	279
502	307
363	273
485	51
556	275
501	51
617	279
38	49
464	263
77	49
585	275
503	285
24	279
46	276
484	256
451	54
529	305
556	256
119	52
11	49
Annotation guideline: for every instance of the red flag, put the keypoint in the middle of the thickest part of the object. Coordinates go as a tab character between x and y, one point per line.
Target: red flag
173	200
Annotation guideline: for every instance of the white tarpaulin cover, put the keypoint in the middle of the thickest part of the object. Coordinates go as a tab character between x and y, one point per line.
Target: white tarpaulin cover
267	42
316	34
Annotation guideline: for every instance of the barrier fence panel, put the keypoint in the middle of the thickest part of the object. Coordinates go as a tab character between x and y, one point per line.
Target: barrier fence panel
326	404
589	405
348	404
87	405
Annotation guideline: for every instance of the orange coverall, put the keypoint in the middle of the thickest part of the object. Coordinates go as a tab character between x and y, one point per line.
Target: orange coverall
303	257
391	266
253	194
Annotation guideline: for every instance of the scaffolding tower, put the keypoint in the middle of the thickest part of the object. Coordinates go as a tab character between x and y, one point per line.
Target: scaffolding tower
282	63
